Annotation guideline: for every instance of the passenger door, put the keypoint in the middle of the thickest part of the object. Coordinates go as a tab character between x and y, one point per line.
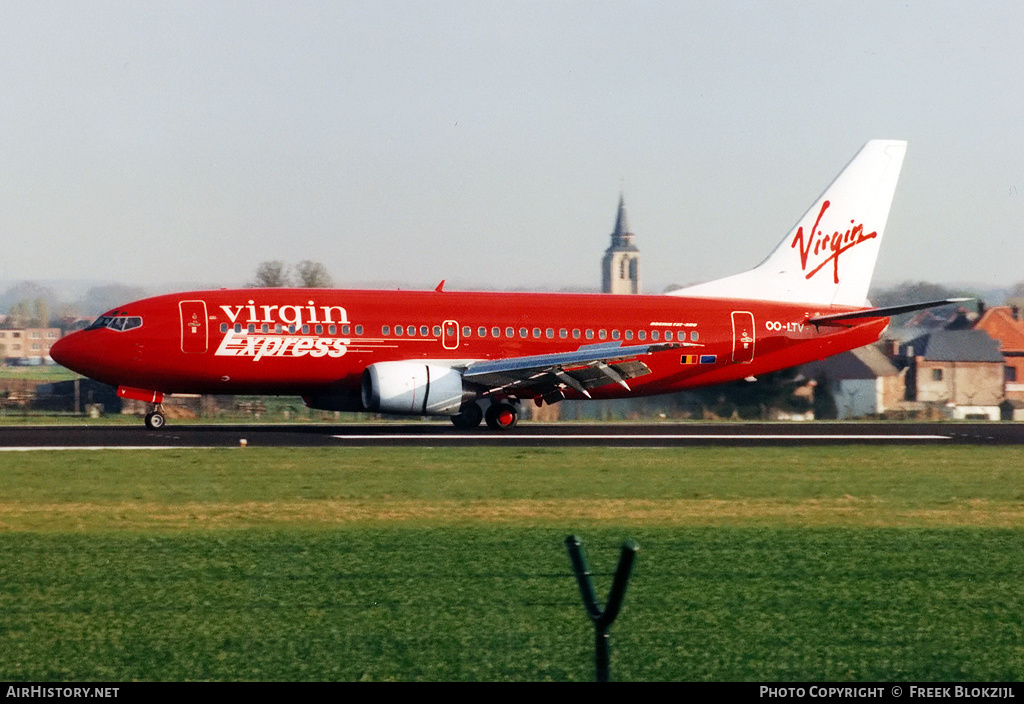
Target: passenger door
194	333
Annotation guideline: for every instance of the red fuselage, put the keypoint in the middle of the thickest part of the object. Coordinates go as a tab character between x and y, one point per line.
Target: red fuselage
317	342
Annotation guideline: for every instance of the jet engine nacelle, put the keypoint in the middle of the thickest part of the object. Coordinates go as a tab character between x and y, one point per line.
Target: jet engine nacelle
412	388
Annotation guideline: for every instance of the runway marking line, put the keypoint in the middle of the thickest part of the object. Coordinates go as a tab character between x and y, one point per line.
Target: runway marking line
31	448
652	436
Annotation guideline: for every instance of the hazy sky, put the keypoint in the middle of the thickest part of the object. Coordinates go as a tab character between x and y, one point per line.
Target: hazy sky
487	142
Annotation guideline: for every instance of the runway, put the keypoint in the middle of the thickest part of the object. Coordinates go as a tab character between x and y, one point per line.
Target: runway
438	434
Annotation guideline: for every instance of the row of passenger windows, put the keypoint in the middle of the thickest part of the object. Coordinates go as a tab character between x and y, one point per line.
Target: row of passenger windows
304	329
549	333
467	331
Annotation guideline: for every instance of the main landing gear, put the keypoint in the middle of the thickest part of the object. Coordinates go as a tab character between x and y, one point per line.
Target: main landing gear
502	415
155	419
468	417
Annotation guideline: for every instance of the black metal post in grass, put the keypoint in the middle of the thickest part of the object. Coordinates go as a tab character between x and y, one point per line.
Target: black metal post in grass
602	619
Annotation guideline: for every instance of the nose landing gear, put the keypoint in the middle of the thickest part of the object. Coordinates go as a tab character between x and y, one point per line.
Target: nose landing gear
155	419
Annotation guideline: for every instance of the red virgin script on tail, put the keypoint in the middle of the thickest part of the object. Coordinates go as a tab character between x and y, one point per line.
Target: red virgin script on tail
819	244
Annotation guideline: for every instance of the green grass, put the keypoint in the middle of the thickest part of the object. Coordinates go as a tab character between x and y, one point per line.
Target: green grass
825	564
47	373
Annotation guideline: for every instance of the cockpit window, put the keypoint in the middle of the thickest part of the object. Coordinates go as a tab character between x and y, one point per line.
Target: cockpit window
120	323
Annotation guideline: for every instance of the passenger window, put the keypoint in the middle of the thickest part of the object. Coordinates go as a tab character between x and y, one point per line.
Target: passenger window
602	334
563	333
549	333
668	334
437	331
590	334
466	331
655	335
359	329
694	336
386	330
223	327
481	331
642	334
575	333
423	330
536	332
523	332
615	335
496	332
399	330
509	332
629	334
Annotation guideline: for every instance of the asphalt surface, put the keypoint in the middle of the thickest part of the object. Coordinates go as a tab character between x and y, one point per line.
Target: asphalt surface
441	434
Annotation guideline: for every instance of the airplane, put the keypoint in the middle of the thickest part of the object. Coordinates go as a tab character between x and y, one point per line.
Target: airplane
476	356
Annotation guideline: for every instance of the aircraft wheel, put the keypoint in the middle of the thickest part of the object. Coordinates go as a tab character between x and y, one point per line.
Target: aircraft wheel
469	416
502	416
155	420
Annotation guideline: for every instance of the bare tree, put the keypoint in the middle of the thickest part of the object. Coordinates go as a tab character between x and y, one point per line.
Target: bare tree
313	275
272	274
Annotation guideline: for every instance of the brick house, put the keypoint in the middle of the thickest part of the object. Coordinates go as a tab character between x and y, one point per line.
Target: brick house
27	345
1004	324
959	371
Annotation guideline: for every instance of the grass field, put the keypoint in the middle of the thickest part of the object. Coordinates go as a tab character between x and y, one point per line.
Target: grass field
823	564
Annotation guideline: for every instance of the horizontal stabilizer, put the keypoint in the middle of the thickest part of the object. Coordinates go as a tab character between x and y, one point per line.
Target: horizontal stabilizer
882	312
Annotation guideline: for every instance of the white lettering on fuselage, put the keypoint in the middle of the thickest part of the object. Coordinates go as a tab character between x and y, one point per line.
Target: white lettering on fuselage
776	326
242	340
258	346
310	313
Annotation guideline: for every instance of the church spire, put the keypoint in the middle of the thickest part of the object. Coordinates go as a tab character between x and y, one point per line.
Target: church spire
620	268
622	238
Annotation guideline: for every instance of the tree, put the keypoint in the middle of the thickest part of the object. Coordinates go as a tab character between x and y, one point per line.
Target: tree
824	402
100	299
276	274
42	311
19	315
919	292
271	274
912	292
313	275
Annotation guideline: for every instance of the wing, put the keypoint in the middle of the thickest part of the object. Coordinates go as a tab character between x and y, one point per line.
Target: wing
547	375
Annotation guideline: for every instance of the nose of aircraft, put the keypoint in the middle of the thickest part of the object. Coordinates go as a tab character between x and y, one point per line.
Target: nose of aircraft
60	350
75	352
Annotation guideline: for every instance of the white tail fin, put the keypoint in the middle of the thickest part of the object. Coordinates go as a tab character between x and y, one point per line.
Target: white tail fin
829	256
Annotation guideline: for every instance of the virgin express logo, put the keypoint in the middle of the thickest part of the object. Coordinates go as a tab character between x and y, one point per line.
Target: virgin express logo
257	346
